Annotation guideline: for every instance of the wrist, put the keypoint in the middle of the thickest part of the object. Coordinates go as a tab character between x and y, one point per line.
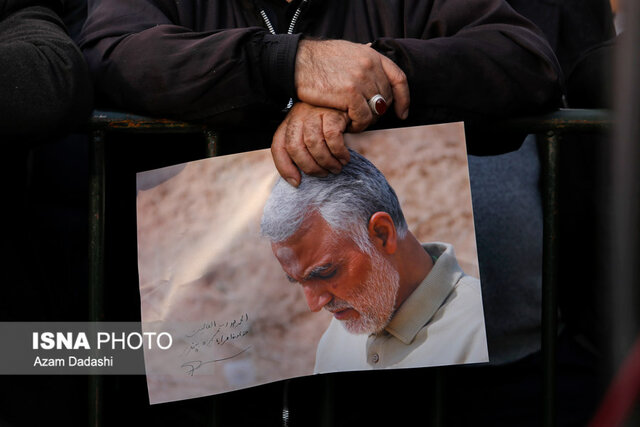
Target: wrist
278	60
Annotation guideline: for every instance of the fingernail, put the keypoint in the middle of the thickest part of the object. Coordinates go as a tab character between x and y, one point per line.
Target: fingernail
405	114
344	162
292	182
335	171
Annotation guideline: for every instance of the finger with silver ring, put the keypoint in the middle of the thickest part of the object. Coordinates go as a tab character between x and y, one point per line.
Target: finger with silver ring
378	104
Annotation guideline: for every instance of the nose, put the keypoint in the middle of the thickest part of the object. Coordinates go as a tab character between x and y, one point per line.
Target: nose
316	297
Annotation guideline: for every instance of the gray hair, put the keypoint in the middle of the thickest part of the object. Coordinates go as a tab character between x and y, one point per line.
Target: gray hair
346	201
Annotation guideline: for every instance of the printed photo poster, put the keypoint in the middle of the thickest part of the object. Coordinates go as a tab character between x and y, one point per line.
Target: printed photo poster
211	279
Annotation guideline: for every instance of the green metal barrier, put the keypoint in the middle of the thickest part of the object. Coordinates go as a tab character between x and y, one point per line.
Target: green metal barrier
549	128
101	124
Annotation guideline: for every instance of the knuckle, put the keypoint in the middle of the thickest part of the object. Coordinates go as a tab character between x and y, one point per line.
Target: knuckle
323	159
361	74
315	170
366	62
351	87
401	77
313	143
293	148
356	126
289	137
311	135
367	116
332	134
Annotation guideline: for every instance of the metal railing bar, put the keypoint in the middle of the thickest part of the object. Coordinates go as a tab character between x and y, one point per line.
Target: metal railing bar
570	120
562	120
213	143
96	224
549	315
96	260
115	121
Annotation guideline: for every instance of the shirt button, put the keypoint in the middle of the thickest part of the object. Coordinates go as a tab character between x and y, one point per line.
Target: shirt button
375	358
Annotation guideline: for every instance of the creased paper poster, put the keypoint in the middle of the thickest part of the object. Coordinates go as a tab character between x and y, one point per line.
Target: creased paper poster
246	307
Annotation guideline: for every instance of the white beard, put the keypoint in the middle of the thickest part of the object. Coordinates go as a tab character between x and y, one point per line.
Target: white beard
374	299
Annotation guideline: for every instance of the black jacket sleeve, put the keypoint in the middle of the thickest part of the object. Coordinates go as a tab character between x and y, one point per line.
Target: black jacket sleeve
44	82
465	60
581	33
474	60
145	57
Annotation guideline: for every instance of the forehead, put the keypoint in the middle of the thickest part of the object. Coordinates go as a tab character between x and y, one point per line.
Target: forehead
314	243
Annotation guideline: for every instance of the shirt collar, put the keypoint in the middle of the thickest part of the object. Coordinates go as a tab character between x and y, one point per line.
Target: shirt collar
418	309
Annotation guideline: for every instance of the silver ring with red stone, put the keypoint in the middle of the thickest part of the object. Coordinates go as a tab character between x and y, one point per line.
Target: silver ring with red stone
378	104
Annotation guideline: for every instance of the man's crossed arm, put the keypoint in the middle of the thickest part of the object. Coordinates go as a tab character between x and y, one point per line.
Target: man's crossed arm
334	79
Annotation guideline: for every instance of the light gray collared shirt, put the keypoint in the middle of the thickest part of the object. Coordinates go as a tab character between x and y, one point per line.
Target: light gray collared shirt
440	323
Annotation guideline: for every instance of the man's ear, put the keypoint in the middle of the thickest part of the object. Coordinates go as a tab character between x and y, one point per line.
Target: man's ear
382	232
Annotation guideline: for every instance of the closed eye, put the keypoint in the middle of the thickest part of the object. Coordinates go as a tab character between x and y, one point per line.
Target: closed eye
326	271
323	275
322	272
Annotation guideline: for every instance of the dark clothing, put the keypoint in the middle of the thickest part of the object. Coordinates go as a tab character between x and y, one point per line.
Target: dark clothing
571	26
214	60
74	14
44	81
45	92
590	81
580	32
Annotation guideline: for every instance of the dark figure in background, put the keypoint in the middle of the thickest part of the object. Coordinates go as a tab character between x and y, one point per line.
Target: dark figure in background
583	36
508	214
45	92
44	83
